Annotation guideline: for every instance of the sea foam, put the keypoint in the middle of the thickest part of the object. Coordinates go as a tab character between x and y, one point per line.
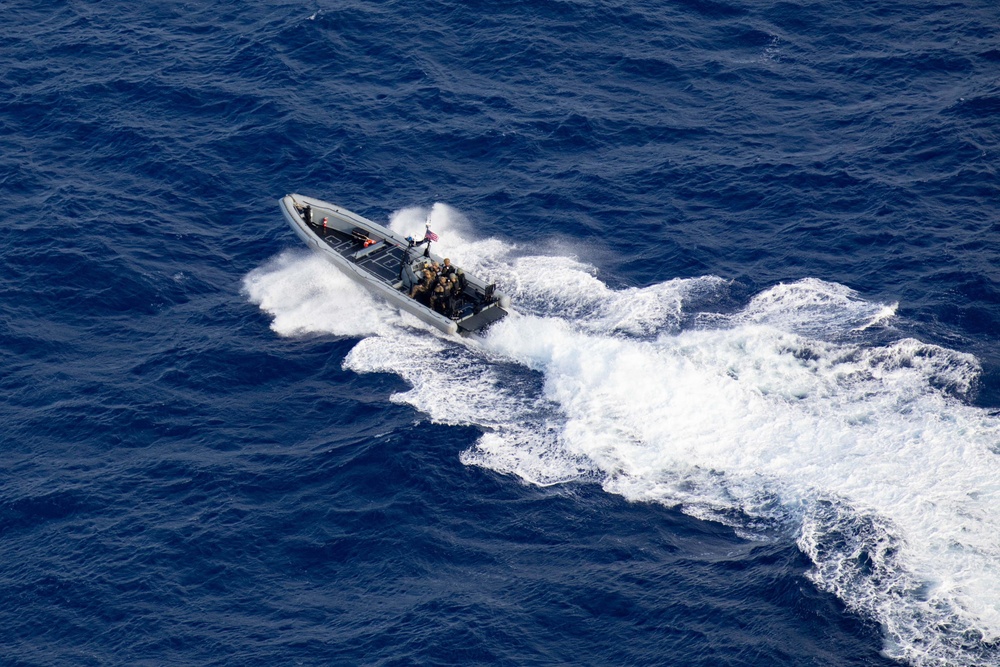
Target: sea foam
787	418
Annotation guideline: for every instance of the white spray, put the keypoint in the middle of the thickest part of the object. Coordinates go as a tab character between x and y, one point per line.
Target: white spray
785	416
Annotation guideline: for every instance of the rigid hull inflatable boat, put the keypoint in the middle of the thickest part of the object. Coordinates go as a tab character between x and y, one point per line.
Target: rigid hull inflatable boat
387	264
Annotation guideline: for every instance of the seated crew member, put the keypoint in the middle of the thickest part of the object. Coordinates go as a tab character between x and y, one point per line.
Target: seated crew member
439	299
462	282
447	269
421	291
425	266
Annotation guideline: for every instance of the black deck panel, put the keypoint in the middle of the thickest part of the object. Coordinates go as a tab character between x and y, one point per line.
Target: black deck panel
337	240
383	263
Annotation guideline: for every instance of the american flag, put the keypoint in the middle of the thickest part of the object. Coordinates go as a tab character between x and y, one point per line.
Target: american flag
430	236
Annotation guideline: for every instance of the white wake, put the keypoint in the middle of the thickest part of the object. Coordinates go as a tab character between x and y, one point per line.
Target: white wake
786	417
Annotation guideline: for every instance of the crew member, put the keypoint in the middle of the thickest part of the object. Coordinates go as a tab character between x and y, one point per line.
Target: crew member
439	298
421	292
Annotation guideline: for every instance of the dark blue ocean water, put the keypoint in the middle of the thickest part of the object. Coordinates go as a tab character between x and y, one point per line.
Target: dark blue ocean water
747	411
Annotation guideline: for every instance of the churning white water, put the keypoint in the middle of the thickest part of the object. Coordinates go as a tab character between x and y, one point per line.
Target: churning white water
787	417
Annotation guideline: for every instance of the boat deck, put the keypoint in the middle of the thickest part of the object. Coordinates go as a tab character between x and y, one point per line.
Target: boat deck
384	261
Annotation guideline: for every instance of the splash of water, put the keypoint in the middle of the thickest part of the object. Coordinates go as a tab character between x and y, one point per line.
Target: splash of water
783	417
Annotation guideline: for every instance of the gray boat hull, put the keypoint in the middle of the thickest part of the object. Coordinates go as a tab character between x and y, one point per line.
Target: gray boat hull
378	266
